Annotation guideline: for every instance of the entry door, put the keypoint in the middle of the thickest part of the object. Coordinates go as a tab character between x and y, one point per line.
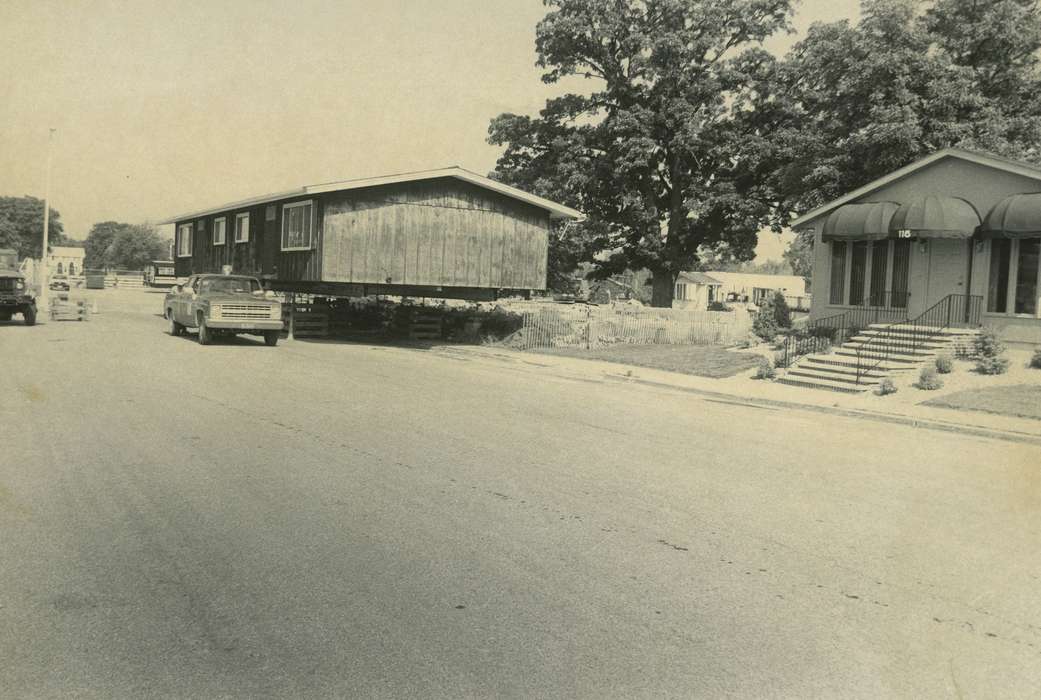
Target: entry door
948	269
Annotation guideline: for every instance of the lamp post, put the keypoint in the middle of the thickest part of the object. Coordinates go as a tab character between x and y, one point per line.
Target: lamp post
44	268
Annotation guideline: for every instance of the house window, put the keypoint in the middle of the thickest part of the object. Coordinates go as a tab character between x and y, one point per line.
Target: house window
242	227
901	272
297	226
858	273
72	268
219	230
1026	276
838	271
59	268
681	292
879	262
997	283
184	241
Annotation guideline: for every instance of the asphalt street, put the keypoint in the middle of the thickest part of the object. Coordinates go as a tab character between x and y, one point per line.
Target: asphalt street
342	520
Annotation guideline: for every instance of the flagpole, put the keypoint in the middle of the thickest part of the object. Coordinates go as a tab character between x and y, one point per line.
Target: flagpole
45	267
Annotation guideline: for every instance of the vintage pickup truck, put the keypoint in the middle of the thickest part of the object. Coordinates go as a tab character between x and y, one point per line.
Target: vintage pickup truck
223	305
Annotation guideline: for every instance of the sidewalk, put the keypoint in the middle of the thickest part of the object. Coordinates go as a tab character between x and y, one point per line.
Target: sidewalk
905	411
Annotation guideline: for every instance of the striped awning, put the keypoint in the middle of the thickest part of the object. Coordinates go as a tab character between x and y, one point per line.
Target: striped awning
866	221
1016	216
935	216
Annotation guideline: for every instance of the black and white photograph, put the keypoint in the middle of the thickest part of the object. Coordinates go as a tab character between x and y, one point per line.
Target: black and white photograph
520	349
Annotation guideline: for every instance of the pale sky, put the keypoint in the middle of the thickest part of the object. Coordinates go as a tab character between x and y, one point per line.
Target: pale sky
164	107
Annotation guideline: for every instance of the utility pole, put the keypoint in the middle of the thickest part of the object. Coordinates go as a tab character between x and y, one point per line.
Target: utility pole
44	301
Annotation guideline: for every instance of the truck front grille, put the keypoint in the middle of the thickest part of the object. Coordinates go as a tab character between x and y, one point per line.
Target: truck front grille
243	312
6	284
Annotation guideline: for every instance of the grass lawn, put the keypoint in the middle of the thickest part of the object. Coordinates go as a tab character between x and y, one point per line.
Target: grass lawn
1020	400
699	360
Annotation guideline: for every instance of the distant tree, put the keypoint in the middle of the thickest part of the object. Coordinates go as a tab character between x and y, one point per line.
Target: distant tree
115	245
21	226
799	255
661	156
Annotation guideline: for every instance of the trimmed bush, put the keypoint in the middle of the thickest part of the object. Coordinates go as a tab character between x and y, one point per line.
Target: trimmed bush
1035	361
992	365
929	379
988	344
944	364
886	387
765	370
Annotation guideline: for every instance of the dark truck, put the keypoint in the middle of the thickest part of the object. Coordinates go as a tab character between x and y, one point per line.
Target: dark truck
15	295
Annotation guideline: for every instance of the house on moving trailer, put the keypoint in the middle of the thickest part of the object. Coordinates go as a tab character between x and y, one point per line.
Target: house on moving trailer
438	233
957	231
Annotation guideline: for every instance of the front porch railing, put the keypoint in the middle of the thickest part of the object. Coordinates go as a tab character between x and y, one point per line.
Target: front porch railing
909	336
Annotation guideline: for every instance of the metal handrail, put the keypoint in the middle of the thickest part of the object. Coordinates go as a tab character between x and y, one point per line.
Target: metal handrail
952	309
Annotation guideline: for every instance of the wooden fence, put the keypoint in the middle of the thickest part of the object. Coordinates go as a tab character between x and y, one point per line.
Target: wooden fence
593	326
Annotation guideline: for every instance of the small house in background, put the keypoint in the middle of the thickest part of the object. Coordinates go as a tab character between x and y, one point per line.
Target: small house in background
695	290
439	233
754	288
956	234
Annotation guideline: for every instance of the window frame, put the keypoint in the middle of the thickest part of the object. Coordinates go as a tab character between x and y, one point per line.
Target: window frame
311	232
190	229
245	229
223	220
1013	281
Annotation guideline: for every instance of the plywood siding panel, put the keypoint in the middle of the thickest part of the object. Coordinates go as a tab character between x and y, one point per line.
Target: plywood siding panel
433	234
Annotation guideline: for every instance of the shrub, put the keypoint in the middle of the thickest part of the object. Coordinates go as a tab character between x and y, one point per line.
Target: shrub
1035	361
828	332
992	365
718	306
929	379
944	364
988	344
782	313
765	370
764	324
886	387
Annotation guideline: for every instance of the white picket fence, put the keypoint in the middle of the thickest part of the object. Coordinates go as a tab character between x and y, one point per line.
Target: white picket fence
592	326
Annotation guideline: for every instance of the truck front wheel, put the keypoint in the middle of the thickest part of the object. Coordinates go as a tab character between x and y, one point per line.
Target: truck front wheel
29	314
205	334
271	338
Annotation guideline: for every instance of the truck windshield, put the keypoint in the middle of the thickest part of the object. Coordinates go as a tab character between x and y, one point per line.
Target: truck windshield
230	285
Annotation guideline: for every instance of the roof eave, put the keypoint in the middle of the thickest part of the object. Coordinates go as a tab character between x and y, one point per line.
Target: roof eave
555	211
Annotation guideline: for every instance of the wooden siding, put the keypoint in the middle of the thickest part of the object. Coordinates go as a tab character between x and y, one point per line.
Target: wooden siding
441	233
261	255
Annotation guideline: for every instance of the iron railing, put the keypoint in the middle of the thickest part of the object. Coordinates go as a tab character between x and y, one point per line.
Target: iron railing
817	336
910	335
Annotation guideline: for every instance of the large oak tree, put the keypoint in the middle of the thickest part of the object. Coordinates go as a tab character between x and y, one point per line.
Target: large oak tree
661	153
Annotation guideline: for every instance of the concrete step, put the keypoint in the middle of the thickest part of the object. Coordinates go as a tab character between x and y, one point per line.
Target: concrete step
812	373
910	328
902	342
851	361
822	383
896	354
827	369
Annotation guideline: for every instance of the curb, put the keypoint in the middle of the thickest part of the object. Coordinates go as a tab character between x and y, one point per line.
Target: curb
891	418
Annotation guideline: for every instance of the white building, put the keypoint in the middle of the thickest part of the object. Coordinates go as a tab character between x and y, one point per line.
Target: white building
66	260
